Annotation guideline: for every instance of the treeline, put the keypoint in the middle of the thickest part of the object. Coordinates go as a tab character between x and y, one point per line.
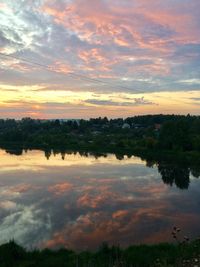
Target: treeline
163	255
151	132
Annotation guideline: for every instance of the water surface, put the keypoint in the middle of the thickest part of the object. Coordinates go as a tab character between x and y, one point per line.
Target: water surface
80	201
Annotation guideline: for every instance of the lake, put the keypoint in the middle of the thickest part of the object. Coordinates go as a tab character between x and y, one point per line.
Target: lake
79	201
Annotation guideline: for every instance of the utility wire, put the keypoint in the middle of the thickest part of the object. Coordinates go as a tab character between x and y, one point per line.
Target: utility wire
80	76
77	76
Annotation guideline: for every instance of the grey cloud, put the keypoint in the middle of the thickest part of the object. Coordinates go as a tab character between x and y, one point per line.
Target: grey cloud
196	100
24	225
153	30
135	102
3	40
189	48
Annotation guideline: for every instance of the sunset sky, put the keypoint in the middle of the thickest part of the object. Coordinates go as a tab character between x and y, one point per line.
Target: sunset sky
91	58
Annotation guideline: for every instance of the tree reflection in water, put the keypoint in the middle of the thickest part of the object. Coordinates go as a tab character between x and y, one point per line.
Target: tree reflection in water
172	173
180	175
195	171
15	151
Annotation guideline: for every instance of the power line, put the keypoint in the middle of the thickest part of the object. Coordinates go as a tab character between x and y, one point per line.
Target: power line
80	76
77	76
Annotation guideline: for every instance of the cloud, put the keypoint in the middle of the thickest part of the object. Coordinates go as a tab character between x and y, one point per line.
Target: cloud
22	224
190	81
130	46
8	205
59	189
195	100
134	102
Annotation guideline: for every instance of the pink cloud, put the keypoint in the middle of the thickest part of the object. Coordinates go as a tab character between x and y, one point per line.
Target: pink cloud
100	23
95	200
21	188
93	54
59	189
60	67
113	228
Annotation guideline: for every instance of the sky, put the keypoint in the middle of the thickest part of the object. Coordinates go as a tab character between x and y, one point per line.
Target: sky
91	58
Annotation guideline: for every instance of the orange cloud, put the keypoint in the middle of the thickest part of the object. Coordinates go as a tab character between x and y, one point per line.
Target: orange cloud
61	68
120	214
93	200
21	188
122	226
59	189
93	54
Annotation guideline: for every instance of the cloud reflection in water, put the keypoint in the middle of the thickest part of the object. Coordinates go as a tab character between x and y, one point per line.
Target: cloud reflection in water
79	202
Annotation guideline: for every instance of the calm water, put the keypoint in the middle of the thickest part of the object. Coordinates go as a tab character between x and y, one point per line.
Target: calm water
80	201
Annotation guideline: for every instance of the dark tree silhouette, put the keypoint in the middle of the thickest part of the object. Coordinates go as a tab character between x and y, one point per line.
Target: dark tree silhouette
180	175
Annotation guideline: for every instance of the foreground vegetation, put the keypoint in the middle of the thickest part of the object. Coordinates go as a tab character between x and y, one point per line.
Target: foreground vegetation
163	255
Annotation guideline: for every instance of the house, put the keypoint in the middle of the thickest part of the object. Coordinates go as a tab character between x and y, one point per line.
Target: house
126	126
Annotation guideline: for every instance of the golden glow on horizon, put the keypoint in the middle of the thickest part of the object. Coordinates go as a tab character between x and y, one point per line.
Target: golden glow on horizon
38	99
